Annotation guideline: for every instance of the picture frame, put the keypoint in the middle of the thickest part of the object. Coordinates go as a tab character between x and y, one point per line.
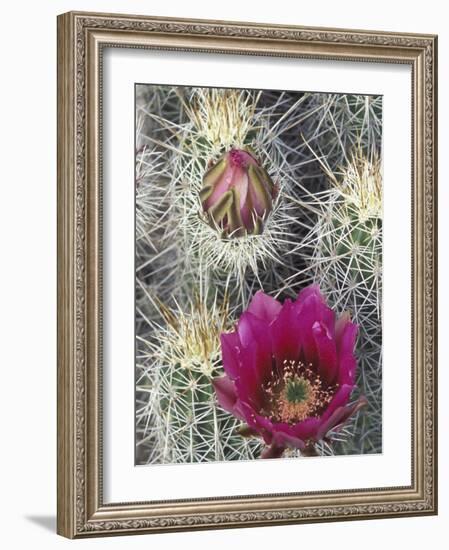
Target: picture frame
83	511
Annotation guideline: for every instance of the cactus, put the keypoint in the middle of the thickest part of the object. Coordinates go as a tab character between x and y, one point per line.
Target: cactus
186	424
347	261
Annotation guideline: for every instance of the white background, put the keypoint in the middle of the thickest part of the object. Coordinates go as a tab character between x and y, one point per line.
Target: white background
122	481
28	272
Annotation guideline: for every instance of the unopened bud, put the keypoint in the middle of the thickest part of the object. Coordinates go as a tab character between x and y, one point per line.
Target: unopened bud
237	194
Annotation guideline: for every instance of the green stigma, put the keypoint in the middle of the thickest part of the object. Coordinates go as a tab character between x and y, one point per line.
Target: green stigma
297	390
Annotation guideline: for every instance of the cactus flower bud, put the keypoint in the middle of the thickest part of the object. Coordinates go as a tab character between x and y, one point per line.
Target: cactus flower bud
237	194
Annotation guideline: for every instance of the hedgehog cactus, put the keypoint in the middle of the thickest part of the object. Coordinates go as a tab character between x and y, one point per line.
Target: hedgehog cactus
187	425
348	265
349	239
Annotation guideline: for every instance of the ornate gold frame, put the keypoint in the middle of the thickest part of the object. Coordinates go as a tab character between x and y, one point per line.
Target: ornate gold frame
81	37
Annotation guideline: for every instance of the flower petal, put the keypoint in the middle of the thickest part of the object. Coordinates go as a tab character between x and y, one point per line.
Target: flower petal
306	293
340	399
265	307
307	429
258	191
235	222
248	383
217	179
350	410
221	207
327	352
310	308
254	337
286	334
346	357
340	416
340	324
227	396
287	440
261	424
311	301
301	431
346	337
230	349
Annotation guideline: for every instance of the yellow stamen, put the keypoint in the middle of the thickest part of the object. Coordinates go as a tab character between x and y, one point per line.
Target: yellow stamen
297	393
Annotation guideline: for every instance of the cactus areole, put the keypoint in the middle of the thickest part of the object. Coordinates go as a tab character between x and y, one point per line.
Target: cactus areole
237	194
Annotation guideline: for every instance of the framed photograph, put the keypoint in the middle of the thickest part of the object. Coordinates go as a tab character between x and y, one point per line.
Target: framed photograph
246	274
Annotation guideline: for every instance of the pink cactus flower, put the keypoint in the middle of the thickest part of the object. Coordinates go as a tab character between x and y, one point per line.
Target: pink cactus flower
289	371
